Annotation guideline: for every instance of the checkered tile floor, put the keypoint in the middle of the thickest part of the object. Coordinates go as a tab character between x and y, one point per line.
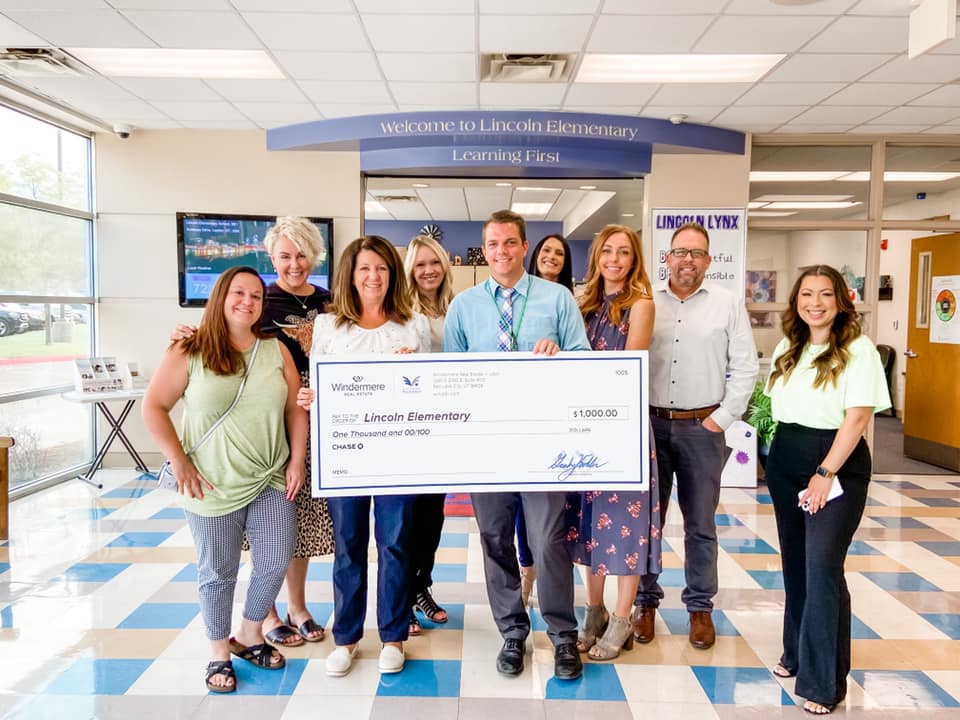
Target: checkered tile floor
99	618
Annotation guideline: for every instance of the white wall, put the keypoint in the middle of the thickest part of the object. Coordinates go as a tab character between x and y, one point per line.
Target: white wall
144	181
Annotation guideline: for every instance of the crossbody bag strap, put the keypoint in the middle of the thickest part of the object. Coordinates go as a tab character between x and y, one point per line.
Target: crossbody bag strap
236	399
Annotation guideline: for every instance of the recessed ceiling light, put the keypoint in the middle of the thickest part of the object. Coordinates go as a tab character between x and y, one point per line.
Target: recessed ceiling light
752	205
171	62
524	188
627	215
691	68
531	208
764	213
802	198
791	176
588	187
902	176
421	185
810	205
504	184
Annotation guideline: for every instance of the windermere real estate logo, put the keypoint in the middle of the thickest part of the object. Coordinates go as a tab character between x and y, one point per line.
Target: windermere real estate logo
356	387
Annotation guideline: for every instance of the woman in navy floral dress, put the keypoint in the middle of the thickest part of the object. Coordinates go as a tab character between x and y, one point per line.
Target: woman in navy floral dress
616	533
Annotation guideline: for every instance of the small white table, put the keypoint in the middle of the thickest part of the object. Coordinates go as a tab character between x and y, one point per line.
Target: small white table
128	397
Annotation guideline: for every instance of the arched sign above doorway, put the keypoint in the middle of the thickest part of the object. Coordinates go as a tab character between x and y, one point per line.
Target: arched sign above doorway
506	143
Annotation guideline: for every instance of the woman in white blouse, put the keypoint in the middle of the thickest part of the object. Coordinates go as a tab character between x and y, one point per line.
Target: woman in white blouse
371	313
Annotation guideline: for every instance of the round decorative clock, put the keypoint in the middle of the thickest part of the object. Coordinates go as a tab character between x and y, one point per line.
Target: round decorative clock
433	231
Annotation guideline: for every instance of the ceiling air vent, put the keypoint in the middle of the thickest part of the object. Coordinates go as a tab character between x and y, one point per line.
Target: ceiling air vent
39	62
519	68
396	198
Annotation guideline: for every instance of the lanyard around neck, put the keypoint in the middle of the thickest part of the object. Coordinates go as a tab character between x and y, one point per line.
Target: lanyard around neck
514	327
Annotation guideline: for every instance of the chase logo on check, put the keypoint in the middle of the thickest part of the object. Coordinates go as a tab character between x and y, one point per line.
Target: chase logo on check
568	465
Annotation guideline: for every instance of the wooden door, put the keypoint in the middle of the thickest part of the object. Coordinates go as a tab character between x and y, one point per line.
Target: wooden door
932	388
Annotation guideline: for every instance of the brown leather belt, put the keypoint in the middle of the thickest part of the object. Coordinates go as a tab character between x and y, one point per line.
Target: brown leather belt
695	414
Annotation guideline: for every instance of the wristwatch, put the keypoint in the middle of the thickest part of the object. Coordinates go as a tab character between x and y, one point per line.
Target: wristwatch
823	472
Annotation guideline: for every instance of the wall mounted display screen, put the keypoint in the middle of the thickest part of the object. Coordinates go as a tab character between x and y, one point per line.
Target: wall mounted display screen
208	244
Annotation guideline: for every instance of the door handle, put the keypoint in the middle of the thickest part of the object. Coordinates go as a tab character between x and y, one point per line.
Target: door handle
909	353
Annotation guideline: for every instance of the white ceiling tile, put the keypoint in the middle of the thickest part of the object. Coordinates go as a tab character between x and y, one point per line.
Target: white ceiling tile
663	7
158	125
419	33
918	116
168	88
882	7
417	107
53	5
814	68
13	35
926	68
945	96
82	28
429	93
313	6
779	34
206	112
862	35
609	94
533	34
303	31
483	201
258	90
699	93
944	129
950	47
448	203
771	93
565	203
835	115
302	65
354	93
752	127
703	115
879	93
821	7
435	67
800	128
171	4
624	110
332	110
133	112
79	87
538	7
419	7
765	115
521	95
400	209
273	114
210	30
214	124
885	129
647	33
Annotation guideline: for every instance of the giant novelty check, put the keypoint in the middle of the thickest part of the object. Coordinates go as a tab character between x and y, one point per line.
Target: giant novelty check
479	422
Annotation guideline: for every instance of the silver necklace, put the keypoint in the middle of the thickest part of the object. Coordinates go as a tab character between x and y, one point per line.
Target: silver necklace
303	303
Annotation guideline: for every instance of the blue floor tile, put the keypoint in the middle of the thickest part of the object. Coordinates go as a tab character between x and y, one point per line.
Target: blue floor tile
4	567
161	616
422	678
170	513
98	513
672	577
321	611
320	571
903	688
859	547
764	499
94	572
943	548
450	572
740	686
900	484
746	546
768	579
901	523
901	581
253	680
454	540
89	676
140	539
727	520
938	501
126	492
454	617
947	623
187	574
859	630
678	622
6	617
598	682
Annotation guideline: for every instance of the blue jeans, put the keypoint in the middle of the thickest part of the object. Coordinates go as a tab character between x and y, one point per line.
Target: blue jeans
695	455
351	533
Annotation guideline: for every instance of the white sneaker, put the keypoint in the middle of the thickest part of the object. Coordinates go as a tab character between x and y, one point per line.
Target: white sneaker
340	660
391	659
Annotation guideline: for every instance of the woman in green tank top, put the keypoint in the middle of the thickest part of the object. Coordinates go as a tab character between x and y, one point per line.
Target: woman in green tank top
244	477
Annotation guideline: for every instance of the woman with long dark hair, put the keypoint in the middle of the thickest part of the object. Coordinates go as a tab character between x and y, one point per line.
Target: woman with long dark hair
826	382
551	260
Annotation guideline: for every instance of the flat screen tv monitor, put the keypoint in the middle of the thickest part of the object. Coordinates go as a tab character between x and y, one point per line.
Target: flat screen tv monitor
209	243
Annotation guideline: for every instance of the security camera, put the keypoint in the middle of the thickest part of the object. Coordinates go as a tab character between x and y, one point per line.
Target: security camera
122	131
677	119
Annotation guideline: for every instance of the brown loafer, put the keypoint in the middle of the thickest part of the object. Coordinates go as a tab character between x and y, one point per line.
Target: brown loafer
644	621
702	634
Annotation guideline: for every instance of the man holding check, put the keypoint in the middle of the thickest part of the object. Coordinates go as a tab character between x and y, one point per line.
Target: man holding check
513	311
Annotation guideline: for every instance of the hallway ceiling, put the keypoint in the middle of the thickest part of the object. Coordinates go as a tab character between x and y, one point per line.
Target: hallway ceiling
845	67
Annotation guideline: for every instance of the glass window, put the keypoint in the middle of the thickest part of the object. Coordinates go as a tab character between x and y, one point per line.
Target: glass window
51	433
809	182
921	183
44	253
43	162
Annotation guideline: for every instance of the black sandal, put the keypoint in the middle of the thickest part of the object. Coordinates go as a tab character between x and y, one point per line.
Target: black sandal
428	606
261	655
415	628
781	671
221	667
306	627
284	636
